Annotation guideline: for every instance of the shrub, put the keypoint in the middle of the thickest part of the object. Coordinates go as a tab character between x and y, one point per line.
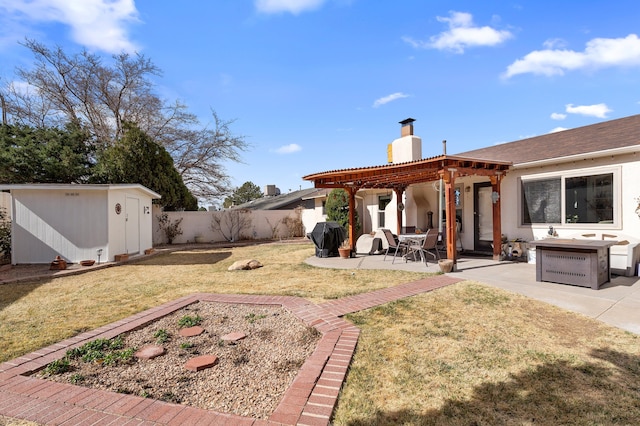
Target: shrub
5	237
171	228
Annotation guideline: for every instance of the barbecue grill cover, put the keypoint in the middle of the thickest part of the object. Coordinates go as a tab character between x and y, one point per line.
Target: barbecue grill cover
327	236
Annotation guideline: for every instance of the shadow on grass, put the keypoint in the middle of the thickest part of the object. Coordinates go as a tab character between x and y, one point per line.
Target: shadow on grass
556	392
187	257
12	292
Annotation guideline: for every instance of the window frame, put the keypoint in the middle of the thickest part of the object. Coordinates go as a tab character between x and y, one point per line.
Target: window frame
563	176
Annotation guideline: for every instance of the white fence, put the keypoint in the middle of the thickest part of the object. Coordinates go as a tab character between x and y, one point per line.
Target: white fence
230	225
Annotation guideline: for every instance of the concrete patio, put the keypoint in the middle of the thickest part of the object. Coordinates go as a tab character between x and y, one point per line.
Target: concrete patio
616	303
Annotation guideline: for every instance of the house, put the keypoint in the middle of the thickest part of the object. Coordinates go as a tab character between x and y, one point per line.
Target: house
274	200
576	182
78	222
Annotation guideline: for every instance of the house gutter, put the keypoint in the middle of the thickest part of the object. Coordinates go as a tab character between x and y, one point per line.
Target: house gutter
579	157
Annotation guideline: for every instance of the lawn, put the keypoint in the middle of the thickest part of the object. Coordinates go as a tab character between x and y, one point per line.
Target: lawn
465	354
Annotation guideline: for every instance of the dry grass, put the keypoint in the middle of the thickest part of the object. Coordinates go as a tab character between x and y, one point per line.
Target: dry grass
471	355
33	315
467	354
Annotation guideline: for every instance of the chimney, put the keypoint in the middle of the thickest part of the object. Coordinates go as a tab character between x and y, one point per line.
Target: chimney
407	127
270	190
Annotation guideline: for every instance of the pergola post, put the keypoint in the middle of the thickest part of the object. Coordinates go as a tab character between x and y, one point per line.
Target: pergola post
497	218
352	216
449	178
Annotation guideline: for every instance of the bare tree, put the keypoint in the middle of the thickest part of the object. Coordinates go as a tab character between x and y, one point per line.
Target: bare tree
231	223
82	89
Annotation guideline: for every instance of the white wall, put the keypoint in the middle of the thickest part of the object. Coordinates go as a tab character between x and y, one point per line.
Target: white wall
49	223
626	166
264	224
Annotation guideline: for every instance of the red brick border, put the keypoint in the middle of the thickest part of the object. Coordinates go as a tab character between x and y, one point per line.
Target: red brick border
310	400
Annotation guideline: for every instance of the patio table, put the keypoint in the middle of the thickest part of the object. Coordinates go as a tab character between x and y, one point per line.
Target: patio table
412	240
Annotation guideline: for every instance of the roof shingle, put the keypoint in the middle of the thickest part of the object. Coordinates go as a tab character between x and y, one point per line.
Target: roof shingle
620	133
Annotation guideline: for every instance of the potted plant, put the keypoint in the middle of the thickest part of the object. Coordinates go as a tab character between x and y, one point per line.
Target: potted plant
345	249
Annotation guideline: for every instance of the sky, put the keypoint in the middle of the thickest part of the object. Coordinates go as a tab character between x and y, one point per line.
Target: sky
318	85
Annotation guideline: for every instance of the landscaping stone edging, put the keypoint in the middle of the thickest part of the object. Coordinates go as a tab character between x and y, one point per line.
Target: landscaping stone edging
310	400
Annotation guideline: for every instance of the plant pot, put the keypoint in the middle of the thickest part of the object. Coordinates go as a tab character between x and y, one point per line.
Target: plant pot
199	239
446	265
87	262
345	253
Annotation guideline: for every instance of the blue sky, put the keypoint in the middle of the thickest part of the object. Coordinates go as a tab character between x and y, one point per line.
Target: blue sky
318	85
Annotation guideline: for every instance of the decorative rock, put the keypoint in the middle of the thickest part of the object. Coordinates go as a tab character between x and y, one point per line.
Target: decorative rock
150	352
233	337
191	331
246	264
201	362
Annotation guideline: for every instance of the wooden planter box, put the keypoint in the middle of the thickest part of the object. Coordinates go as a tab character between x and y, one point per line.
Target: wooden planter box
121	257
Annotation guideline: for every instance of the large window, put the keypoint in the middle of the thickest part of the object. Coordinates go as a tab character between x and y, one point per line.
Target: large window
570	199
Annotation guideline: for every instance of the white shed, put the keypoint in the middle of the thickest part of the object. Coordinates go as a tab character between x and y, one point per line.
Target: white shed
78	222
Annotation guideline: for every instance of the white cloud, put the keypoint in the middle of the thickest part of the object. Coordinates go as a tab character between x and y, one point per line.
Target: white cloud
96	24
597	110
555	43
598	53
289	149
292	6
389	98
462	34
557	129
558	116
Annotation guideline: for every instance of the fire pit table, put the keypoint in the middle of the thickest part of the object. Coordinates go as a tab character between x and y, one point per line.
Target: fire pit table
578	262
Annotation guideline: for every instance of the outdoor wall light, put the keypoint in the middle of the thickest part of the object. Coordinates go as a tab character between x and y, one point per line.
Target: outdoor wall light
495	197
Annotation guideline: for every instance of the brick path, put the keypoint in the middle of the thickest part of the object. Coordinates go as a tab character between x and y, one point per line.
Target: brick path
310	400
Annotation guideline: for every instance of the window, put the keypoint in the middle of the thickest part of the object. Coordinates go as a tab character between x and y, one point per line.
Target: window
541	201
383	200
568	199
589	199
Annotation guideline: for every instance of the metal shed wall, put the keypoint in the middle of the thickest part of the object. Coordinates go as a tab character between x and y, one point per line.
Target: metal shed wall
75	221
48	223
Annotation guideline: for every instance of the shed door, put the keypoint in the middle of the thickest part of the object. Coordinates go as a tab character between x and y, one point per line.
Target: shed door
132	228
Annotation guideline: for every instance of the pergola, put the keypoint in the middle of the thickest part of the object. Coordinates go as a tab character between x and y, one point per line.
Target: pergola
399	176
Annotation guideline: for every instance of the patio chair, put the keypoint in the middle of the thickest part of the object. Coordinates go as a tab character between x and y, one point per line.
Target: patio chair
428	246
395	245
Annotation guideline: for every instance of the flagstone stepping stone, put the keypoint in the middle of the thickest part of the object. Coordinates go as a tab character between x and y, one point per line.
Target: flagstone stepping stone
233	337
150	352
201	362
191	331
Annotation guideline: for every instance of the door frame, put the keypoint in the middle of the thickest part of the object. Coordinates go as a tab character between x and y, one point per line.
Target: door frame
479	245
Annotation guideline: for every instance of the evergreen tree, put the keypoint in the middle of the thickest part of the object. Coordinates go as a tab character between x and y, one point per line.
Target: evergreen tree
45	155
249	191
136	158
337	208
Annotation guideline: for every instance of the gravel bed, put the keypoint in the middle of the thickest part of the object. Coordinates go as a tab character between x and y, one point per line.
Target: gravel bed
249	379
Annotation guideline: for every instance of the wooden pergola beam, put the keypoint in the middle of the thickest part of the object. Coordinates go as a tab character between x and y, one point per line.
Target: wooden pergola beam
399	176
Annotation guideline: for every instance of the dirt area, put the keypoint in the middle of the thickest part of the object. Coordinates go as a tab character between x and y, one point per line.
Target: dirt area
249	379
18	273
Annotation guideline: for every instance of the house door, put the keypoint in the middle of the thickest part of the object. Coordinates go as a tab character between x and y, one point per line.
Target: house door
132	227
482	217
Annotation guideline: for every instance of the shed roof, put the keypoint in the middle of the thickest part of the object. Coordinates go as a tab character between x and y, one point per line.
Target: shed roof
78	187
